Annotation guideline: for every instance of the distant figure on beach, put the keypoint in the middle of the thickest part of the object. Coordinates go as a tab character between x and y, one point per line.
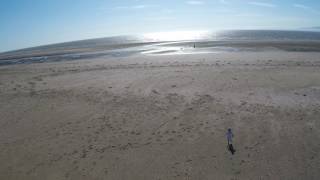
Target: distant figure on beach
229	138
194	45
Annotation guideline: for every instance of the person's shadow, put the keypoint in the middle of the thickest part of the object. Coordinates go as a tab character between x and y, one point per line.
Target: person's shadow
231	149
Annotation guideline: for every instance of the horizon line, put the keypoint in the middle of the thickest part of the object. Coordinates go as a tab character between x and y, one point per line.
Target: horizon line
306	29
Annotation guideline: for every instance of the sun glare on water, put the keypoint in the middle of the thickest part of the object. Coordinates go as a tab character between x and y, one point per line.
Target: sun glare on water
176	35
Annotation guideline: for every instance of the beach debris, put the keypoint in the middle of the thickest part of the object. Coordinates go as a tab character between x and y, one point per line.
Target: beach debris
155	91
229	139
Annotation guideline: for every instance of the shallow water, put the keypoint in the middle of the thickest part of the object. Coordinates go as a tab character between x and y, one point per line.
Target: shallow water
169	43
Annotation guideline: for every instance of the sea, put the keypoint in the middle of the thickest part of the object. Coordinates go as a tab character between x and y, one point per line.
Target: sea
168	43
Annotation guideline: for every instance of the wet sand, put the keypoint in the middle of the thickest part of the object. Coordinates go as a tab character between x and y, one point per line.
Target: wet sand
162	117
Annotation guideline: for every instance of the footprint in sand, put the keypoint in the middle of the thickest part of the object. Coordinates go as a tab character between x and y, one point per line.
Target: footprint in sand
170	139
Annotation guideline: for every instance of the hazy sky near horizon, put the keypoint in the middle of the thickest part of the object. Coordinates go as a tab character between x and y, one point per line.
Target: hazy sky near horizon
26	23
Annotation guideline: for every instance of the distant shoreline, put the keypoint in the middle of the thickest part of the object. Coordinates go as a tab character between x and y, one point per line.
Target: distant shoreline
226	41
174	48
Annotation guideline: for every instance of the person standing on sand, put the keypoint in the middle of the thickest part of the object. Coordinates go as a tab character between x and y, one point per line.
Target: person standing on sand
229	138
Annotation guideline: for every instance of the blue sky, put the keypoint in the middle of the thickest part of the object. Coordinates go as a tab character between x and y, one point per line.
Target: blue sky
26	23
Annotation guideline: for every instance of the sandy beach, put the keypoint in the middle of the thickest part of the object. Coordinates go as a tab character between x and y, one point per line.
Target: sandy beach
162	117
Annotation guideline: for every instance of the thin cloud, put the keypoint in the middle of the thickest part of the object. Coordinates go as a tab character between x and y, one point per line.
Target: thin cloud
224	2
158	18
167	11
195	2
140	6
248	15
262	4
225	11
307	8
301	6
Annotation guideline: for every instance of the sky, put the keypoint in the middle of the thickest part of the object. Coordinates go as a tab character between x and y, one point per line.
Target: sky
27	23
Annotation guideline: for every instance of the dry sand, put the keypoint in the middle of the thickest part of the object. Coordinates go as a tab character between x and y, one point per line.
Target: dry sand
162	117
